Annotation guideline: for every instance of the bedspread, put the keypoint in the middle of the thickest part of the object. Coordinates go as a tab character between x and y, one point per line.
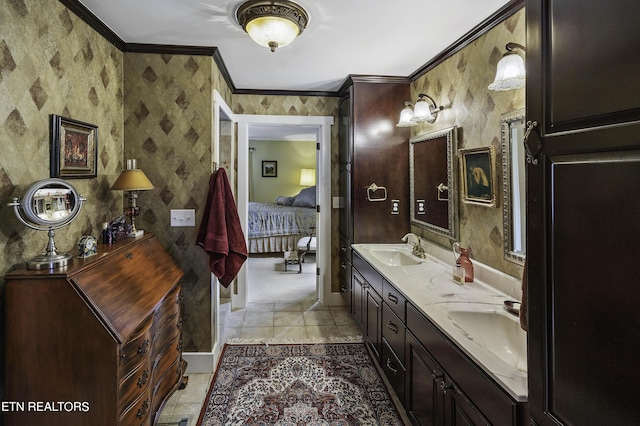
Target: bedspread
267	220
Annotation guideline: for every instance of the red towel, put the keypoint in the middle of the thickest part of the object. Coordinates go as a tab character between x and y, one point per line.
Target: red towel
220	234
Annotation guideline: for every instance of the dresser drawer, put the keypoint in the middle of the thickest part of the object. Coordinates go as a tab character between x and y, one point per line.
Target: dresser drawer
394	299
167	310
138	413
167	334
134	386
166	383
136	350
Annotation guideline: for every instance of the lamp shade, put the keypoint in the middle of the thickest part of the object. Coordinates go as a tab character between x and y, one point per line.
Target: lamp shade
132	180
422	111
510	73
307	177
406	116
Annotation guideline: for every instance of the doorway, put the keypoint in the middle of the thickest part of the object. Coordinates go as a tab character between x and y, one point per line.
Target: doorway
321	128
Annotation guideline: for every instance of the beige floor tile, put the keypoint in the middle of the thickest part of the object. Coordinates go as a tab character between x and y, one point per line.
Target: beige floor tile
292	332
196	389
322	331
349	330
232	333
260	306
236	318
318	318
257	332
288	319
186	410
343	317
291	306
258	319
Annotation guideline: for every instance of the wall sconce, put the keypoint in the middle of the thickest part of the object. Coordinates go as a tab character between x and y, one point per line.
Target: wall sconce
510	73
425	110
272	23
132	180
307	177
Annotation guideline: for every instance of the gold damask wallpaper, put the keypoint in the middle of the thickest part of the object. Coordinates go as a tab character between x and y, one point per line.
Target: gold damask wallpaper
460	85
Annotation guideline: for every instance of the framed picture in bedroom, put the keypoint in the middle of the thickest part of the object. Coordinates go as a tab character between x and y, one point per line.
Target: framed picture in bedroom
269	169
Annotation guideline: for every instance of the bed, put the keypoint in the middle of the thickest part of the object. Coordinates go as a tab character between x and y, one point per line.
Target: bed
277	227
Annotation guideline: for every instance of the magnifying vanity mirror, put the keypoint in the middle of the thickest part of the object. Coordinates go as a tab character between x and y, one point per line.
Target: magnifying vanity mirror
44	206
432	182
513	182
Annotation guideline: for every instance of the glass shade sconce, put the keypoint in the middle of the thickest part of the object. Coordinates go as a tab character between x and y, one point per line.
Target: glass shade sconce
424	111
510	73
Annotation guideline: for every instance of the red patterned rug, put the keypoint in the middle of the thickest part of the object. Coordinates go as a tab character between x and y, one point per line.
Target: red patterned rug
297	384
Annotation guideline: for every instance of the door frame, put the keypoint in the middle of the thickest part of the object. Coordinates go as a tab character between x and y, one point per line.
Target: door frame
322	124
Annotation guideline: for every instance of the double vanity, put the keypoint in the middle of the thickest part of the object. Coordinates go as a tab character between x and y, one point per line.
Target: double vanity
453	353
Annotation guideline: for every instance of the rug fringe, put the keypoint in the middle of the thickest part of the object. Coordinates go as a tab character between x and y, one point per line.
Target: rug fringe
276	340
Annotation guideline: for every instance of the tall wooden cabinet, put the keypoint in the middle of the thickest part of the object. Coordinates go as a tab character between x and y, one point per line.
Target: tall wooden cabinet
95	343
582	207
372	150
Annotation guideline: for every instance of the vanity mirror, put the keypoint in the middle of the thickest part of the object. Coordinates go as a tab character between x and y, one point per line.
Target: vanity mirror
513	183
432	182
47	205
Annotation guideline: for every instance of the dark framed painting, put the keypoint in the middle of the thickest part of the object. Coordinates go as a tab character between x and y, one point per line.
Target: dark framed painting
478	186
74	148
269	169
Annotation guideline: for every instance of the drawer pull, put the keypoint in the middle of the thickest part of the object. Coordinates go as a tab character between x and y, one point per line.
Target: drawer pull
389	366
143	379
393	298
142	411
144	347
343	288
129	255
391	326
343	265
343	249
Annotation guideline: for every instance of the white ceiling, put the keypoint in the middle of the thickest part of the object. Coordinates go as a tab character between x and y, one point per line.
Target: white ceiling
370	37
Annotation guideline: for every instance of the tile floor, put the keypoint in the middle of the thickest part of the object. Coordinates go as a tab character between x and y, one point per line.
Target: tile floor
262	320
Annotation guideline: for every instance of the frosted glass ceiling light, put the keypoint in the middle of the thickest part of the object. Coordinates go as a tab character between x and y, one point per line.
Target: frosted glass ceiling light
273	23
510	73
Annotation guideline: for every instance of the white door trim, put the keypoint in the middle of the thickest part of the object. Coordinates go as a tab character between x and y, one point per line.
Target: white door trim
323	184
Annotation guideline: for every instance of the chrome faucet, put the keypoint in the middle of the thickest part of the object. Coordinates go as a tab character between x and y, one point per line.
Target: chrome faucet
418	250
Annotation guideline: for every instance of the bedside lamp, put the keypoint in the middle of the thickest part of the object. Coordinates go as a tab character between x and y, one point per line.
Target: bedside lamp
307	177
132	180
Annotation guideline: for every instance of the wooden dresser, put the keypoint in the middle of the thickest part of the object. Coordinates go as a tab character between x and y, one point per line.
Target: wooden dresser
98	342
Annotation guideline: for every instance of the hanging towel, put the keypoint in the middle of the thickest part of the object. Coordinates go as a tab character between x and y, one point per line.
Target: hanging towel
220	234
524	320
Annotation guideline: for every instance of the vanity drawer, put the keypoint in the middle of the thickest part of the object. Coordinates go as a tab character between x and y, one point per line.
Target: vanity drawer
368	273
393	369
345	248
393	330
394	299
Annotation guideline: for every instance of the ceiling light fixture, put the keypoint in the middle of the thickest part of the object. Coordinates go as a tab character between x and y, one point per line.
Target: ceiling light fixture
510	73
273	23
425	110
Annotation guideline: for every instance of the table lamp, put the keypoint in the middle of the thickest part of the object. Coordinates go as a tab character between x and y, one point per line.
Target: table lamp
307	177
133	180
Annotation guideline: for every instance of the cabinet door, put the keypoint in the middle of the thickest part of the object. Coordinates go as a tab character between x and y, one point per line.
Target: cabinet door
345	152
373	319
582	206
423	398
458	410
358	289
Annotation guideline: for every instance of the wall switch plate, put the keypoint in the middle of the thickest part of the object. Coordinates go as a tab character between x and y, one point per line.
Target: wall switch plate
337	202
185	217
395	206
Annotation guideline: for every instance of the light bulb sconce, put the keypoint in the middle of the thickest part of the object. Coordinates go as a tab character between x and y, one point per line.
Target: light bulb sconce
425	110
510	72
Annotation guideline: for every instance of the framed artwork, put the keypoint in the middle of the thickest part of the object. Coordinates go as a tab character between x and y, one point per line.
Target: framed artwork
74	148
478	181
269	169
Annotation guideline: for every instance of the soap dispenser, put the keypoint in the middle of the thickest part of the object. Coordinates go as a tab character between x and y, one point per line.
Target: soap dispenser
463	260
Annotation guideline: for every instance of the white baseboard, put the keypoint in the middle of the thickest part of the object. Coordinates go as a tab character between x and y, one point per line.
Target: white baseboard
202	362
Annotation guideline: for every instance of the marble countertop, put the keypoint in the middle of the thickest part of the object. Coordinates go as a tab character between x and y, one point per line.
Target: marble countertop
451	307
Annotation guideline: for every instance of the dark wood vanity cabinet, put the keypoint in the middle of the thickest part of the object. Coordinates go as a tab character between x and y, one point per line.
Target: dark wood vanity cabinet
99	339
436	382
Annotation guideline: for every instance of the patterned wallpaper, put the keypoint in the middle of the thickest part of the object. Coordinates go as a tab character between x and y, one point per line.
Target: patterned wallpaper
460	85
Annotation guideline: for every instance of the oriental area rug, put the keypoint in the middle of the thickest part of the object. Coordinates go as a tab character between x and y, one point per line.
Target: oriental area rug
297	384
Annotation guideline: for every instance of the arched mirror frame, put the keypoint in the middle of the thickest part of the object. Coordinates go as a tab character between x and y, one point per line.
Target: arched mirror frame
451	136
507	123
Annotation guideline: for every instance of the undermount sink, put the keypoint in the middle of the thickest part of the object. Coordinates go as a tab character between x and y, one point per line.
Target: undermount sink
394	257
492	328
